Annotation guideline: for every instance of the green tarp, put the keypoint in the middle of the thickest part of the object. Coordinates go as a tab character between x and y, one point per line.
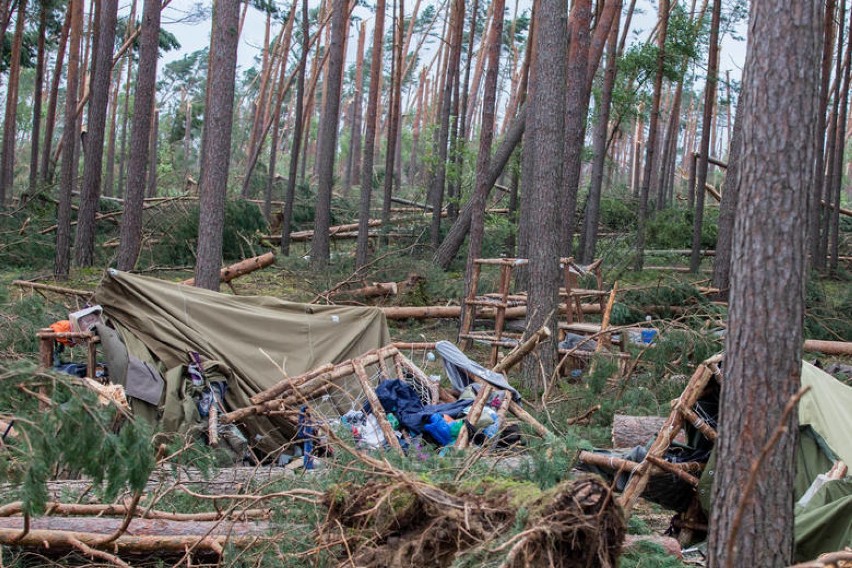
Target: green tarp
825	435
253	337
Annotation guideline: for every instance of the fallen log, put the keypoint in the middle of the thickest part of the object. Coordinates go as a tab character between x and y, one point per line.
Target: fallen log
828	347
241	268
142	536
454	312
54	508
55	289
307	235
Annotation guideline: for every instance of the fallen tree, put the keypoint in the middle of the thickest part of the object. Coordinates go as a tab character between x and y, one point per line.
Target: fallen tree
241	268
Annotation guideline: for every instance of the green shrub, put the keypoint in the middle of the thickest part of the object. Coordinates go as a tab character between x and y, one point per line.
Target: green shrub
618	213
672	229
178	228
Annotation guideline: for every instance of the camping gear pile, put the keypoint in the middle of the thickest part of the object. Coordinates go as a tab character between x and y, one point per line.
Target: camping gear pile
259	377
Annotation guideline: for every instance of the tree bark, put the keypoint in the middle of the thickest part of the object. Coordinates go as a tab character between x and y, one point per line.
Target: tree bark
328	134
361	247
90	191
151	181
704	147
216	145
833	211
286	222
7	153
143	105
62	260
753	525
544	135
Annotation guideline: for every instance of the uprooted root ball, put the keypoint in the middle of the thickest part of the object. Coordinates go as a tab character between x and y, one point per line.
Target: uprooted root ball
407	523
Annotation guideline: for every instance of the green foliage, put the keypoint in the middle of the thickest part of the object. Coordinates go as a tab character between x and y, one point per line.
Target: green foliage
75	433
672	229
21	245
179	229
618	213
645	554
21	320
829	310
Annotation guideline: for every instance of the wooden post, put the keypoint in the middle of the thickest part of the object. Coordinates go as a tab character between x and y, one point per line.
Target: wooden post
473	416
375	405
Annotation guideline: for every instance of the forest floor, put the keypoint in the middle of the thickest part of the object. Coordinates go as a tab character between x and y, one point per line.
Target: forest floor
688	327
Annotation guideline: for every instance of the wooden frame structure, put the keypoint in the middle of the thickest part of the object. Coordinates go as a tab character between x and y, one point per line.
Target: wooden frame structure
47	339
503	298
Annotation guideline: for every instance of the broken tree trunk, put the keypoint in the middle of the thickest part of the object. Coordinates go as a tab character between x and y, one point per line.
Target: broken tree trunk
241	268
522	350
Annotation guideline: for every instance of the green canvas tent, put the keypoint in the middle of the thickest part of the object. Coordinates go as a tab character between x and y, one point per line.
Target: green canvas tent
247	339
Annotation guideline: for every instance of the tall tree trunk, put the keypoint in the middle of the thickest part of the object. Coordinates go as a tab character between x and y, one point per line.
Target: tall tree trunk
50	119
259	107
728	207
814	207
436	191
143	105
486	136
589	238
833	227
704	147
216	145
361	251
84	242
394	123
7	153
353	167
651	142
38	94
544	135
328	134
831	154
298	126
752	525
62	262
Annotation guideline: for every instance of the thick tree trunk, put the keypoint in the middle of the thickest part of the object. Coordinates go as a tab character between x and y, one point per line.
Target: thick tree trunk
544	135
298	126
361	251
704	147
37	99
7	153
651	143
328	134
84	243
728	208
752	523
62	261
143	104
216	145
